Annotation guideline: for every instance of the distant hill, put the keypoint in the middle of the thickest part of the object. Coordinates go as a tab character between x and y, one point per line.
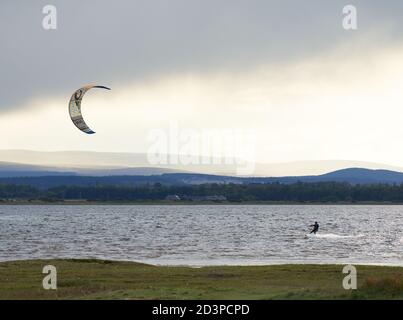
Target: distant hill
8	169
363	176
351	175
23	170
115	163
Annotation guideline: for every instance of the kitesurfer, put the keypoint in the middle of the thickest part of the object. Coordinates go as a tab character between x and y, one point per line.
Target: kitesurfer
315	227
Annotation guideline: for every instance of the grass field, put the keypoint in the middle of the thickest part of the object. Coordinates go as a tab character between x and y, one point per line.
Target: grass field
98	279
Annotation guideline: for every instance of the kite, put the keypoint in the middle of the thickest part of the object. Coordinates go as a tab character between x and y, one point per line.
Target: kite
75	108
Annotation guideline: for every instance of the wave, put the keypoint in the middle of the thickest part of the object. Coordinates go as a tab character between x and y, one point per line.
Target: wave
333	236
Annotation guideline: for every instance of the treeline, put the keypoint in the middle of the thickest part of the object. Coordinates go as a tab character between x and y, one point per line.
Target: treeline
325	192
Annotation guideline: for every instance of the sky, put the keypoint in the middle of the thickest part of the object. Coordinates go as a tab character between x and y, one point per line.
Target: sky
286	71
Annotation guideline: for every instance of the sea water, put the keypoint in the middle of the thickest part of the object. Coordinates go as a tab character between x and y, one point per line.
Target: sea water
204	234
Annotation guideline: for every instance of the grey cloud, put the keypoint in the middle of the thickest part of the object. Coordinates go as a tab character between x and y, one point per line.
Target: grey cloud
112	42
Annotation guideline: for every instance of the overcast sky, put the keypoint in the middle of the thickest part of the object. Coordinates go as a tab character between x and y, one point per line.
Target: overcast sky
286	69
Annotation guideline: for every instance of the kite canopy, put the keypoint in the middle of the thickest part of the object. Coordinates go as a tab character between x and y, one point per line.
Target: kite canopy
75	108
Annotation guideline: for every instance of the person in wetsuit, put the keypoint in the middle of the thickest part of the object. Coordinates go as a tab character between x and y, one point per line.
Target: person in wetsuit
315	227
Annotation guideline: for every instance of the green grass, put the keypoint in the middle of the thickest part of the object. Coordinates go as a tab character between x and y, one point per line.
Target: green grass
98	279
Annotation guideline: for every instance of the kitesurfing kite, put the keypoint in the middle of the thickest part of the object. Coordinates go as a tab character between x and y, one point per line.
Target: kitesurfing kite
75	108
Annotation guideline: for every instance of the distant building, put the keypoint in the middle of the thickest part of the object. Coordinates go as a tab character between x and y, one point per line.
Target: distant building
172	197
217	198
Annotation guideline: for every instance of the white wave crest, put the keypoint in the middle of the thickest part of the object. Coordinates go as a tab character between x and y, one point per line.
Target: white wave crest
333	236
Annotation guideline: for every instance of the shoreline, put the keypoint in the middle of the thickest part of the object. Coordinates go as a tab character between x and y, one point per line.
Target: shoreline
217	265
105	279
224	265
198	203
